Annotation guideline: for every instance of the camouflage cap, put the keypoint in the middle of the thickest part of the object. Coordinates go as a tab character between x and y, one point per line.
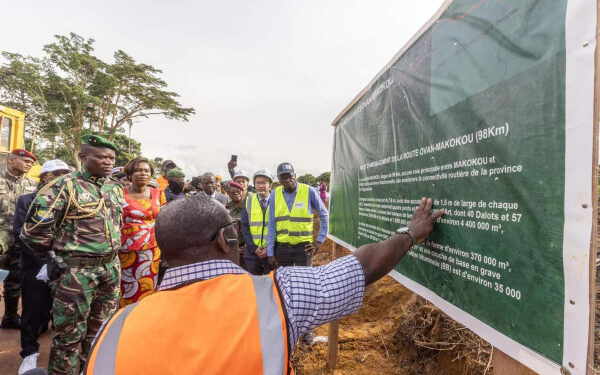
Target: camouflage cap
176	172
98	141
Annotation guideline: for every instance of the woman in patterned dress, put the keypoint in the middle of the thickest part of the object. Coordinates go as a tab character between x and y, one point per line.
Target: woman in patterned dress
139	254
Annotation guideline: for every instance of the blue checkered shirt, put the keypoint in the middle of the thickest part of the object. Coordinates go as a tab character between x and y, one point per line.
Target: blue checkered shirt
312	295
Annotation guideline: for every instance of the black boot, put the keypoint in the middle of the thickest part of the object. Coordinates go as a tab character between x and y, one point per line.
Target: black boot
11	322
11	317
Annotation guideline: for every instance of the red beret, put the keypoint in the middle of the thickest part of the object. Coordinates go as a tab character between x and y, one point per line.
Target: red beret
235	184
25	153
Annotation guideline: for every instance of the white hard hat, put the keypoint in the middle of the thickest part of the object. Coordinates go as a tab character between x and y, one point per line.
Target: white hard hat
263	172
54	165
241	173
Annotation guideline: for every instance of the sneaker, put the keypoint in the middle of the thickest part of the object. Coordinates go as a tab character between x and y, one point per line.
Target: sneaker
29	363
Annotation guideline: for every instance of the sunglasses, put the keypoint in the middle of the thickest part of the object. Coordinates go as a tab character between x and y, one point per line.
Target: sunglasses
236	226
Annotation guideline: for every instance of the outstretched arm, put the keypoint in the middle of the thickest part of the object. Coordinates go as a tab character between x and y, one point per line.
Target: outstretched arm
377	259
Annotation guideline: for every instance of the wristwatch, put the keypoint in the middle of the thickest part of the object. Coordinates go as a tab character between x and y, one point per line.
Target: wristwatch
409	232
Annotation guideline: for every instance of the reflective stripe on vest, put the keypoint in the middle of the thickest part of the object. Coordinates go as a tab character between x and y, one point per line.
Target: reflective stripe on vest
181	331
293	226
259	222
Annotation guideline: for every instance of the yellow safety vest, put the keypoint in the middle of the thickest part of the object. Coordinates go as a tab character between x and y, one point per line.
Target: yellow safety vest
293	226
258	221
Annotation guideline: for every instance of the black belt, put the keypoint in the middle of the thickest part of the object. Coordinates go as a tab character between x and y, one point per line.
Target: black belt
82	262
286	245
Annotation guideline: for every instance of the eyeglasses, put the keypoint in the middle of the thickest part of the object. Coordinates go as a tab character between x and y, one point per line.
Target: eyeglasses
236	226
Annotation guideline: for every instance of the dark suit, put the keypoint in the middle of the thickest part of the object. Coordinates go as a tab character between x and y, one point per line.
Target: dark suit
35	294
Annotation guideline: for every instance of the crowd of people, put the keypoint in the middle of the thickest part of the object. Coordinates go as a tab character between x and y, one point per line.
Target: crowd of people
81	244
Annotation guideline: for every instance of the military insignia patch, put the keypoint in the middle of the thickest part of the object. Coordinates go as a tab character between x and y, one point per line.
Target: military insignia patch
41	215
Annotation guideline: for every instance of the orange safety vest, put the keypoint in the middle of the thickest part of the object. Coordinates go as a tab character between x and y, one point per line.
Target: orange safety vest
231	324
162	183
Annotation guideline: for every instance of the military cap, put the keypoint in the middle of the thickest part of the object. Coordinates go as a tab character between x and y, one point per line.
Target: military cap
23	153
235	184
176	172
98	141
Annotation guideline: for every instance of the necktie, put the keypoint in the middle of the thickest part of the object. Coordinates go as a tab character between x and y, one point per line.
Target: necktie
263	204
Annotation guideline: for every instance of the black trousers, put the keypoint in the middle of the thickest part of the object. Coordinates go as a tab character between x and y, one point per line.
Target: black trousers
292	255
11	283
37	302
257	266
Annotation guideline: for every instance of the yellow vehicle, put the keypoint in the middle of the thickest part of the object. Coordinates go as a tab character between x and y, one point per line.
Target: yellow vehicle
12	135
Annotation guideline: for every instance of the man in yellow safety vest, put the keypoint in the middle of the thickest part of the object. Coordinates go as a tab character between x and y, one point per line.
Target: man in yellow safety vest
255	219
290	237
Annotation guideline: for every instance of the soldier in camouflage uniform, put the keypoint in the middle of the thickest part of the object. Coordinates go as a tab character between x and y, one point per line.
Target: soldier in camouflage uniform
13	183
78	216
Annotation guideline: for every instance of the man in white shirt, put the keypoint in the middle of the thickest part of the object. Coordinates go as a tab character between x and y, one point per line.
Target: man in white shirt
209	184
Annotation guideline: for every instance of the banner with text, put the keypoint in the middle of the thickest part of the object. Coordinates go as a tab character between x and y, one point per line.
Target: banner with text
475	112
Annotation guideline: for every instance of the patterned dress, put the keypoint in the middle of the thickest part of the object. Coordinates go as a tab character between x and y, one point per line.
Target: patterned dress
139	254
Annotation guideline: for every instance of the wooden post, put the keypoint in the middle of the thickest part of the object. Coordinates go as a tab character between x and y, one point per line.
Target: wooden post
332	345
332	341
506	365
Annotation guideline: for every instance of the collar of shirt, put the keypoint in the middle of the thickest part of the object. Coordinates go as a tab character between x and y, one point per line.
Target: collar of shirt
293	192
88	176
11	177
209	269
231	204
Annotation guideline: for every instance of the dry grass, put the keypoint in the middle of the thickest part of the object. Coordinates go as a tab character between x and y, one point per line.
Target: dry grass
431	331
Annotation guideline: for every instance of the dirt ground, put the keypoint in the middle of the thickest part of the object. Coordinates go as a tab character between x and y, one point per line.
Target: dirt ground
10	346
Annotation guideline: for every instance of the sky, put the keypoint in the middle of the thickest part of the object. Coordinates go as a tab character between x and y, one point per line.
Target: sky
266	78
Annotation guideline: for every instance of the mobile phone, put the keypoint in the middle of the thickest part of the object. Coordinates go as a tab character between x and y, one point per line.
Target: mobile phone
234	158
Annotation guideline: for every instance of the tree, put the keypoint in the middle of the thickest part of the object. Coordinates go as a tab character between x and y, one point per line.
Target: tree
325	176
70	92
156	165
128	149
308	179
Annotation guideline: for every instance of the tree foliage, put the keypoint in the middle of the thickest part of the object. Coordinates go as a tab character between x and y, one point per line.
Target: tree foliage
129	148
308	179
156	165
325	176
69	92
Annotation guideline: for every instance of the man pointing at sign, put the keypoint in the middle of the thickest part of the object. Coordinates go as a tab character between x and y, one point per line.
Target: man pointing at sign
205	290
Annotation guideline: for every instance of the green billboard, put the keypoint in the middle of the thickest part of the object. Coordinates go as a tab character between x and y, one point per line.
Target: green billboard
473	112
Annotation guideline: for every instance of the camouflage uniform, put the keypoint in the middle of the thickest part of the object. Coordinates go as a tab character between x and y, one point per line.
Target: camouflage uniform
235	211
11	187
78	216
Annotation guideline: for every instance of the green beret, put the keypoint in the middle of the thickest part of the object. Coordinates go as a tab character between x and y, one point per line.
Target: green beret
98	141
176	172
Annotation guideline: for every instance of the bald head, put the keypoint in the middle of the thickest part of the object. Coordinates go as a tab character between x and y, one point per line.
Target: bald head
209	183
185	227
